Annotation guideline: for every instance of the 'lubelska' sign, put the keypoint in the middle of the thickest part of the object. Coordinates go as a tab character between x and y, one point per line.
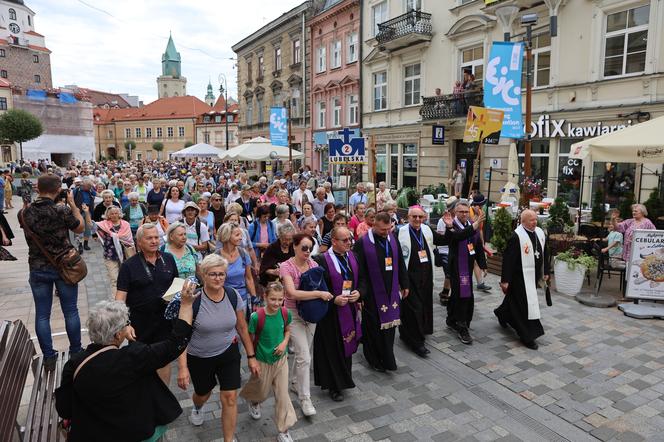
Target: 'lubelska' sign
545	127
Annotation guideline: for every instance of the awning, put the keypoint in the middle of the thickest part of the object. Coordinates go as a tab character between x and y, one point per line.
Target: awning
259	149
199	150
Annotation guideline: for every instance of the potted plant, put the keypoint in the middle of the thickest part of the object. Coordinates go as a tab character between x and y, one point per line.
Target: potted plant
598	213
558	216
408	196
570	267
502	231
625	205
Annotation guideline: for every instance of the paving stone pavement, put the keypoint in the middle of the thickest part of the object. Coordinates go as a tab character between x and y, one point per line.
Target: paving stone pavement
597	376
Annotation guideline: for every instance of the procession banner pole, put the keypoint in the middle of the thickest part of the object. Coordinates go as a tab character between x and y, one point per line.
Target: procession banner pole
476	167
374	174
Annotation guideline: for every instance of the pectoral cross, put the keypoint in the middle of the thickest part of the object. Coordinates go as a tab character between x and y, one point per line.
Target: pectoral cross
384	308
537	254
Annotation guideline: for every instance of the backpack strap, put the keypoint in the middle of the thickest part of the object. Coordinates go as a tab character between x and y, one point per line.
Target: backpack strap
284	316
260	323
196	306
198	229
232	296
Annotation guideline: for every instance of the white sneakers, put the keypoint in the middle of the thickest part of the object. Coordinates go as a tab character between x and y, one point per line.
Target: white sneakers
307	407
284	437
255	411
196	417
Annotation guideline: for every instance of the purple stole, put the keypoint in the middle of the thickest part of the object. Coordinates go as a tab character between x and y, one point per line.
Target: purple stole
465	281
349	324
386	303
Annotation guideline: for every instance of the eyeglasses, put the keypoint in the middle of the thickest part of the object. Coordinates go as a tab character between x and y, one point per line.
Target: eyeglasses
306	248
349	239
215	275
418	216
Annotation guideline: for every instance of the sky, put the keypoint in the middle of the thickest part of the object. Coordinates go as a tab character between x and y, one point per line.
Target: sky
116	45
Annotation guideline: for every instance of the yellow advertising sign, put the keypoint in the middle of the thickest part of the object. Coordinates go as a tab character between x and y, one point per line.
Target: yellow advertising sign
488	2
483	125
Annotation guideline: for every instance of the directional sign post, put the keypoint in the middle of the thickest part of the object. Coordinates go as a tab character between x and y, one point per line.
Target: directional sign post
347	150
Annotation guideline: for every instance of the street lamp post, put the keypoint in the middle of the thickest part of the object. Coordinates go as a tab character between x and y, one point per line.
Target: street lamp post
287	104
528	21
224	91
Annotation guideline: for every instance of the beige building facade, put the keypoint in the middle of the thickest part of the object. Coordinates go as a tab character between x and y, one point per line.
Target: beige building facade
602	70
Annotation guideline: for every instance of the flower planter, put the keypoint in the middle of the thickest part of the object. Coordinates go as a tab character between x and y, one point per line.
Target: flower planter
495	264
569	281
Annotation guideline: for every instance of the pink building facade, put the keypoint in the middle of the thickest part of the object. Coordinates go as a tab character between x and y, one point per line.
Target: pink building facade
335	75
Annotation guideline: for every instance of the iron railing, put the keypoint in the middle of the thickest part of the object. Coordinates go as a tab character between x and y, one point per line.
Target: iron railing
413	22
441	107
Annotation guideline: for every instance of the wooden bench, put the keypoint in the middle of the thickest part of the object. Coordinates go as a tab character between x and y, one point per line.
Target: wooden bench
17	357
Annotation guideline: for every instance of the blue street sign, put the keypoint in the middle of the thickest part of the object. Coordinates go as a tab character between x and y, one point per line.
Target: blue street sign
347	150
438	135
279	126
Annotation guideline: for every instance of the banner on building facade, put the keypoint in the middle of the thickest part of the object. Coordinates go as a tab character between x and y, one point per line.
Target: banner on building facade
645	272
483	125
502	85
279	126
347	150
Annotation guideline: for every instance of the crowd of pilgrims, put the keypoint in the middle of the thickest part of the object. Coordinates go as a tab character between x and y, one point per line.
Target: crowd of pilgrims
268	254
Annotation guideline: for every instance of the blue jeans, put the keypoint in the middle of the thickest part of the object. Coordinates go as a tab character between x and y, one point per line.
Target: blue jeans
41	283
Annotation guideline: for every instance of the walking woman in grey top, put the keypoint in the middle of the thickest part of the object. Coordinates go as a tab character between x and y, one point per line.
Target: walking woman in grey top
213	356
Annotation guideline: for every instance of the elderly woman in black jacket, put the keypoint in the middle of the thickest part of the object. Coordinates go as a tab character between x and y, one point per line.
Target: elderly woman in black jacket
114	394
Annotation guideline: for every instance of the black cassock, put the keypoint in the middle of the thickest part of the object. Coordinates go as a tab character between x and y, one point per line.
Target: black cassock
377	343
332	369
460	310
514	309
417	308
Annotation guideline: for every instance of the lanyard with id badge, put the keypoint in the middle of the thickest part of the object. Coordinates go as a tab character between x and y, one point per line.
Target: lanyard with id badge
345	270
388	258
422	253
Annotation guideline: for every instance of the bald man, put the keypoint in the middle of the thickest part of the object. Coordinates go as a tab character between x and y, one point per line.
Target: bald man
524	266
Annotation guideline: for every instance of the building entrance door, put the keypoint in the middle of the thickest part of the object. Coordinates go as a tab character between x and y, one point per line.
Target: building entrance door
465	155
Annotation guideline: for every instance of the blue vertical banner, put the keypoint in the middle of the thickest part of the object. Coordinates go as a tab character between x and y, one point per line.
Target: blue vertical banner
502	85
279	126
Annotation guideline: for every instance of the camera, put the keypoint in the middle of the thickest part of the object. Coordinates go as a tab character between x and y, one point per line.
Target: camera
63	195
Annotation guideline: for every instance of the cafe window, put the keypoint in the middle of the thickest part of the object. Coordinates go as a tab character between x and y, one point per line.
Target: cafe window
569	173
381	163
396	164
409	165
615	179
539	159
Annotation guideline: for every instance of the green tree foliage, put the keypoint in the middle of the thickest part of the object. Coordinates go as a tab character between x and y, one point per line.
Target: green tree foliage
559	216
655	206
129	146
158	146
502	230
188	144
625	205
19	126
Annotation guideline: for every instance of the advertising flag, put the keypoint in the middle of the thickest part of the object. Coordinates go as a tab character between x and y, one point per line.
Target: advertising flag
483	125
502	85
279	126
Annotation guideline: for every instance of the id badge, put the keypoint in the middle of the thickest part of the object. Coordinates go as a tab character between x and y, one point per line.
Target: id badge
388	263
423	256
345	291
471	249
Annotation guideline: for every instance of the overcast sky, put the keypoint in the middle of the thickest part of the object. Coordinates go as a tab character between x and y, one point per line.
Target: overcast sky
116	45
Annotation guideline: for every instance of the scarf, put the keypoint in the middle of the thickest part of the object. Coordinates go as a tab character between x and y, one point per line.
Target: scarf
465	274
350	325
122	238
386	303
528	250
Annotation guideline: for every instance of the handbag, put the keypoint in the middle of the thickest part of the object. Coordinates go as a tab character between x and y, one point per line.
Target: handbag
313	310
128	251
69	264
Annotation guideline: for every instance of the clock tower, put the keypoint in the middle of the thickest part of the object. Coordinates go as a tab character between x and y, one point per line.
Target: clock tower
25	61
171	83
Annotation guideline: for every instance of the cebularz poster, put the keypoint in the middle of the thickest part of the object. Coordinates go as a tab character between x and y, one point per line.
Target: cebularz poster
645	271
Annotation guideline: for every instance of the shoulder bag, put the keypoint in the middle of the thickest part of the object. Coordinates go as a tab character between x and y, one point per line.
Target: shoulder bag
69	264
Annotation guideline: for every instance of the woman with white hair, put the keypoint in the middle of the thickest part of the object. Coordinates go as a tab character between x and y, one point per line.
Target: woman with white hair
638	221
117	241
238	274
213	355
134	212
107	379
107	201
186	258
282	212
382	196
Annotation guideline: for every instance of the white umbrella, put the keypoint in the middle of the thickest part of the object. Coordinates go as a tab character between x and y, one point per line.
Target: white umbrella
258	149
197	150
510	192
641	143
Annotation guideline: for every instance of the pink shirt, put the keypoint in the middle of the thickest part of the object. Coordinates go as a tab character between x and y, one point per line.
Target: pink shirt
352	225
362	230
289	268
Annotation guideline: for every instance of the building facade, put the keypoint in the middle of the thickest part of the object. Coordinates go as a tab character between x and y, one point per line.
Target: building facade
24	59
7	151
171	83
335	79
602	69
171	121
211	126
273	71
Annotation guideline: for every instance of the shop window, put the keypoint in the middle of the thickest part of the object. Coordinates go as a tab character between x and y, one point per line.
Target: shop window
539	159
569	173
615	179
381	163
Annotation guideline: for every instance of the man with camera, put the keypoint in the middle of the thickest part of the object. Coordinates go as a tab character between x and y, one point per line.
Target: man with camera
46	224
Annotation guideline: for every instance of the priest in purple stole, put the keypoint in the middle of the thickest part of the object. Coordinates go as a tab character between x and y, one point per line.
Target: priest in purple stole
466	248
338	334
382	283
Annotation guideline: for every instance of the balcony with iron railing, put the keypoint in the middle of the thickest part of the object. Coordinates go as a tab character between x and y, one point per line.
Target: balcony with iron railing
446	107
405	30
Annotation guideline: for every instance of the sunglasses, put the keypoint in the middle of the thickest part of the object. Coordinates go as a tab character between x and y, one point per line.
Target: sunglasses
306	248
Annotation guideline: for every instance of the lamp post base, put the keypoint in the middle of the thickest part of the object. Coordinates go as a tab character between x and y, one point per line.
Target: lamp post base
643	310
592	300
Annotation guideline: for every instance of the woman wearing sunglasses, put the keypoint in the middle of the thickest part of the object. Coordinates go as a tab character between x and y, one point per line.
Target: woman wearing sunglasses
302	333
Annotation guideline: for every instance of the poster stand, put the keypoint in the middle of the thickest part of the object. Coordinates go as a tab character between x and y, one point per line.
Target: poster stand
644	279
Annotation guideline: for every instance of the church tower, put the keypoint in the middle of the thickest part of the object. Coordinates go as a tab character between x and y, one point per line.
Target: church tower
171	83
209	97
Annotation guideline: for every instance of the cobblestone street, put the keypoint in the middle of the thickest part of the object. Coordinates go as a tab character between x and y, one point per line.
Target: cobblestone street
596	376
